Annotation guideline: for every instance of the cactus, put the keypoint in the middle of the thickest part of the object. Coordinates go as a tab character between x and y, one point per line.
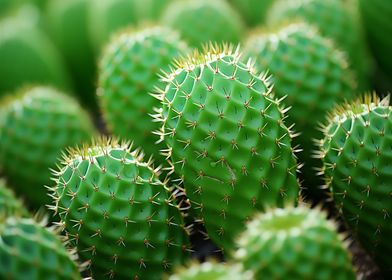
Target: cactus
123	220
35	126
335	20
128	73
67	24
9	204
202	21
28	250
294	243
27	56
211	271
357	156
227	140
253	12
312	73
376	17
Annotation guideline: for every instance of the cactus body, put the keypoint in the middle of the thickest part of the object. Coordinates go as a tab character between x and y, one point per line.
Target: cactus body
9	204
128	74
294	243
253	11
122	219
357	155
31	251
202	21
312	73
35	127
335	20
227	141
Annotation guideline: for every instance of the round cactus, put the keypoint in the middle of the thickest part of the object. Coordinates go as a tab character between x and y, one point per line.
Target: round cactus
294	243
335	20
123	220
211	271
129	71
202	21
227	141
253	12
67	24
28	250
9	204
35	126
312	73
27	56
357	155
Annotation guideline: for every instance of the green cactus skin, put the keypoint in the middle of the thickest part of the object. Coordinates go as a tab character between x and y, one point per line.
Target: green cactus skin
28	250
376	16
335	20
227	141
211	271
253	12
357	156
9	204
312	73
294	243
123	220
200	22
128	73
27	56
67	24
36	125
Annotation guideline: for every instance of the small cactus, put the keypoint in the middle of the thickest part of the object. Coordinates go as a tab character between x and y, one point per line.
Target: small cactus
226	140
294	243
357	155
123	220
9	204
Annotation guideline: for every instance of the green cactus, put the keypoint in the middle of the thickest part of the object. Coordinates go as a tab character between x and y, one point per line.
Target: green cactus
335	20
123	220
376	17
357	155
227	141
129	71
202	21
35	126
312	73
67	24
28	250
27	56
211	271
294	243
9	204
253	12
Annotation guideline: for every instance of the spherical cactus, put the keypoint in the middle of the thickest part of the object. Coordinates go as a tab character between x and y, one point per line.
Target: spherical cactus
202	21
9	204
129	71
123	220
67	24
28	250
227	141
334	19
252	11
294	243
35	126
357	155
211	271
312	73
27	56
376	17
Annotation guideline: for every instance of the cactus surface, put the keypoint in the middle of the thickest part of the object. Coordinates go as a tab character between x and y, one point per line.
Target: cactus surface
294	243
128	74
253	12
227	141
35	126
28	250
357	156
123	220
9	204
200	22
